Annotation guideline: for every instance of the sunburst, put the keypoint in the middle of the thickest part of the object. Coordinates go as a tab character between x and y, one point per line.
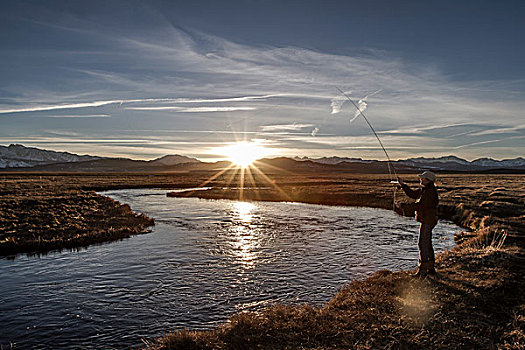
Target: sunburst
244	167
244	153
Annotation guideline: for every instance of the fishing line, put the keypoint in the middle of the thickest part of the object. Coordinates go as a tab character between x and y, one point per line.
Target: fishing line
390	165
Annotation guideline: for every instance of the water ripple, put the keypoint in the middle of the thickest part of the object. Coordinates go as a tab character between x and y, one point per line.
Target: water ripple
204	261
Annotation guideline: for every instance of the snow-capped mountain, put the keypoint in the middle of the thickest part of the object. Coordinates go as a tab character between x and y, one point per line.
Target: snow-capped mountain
446	159
510	163
456	163
18	156
15	156
452	163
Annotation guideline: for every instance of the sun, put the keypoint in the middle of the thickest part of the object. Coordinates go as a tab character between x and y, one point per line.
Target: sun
244	153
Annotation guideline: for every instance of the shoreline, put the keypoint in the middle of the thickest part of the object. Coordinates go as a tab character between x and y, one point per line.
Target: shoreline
486	242
479	215
477	299
64	219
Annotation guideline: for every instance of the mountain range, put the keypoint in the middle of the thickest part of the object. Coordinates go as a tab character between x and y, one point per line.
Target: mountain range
451	163
18	157
15	156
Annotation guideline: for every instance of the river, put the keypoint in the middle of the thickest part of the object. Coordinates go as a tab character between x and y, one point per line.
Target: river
204	261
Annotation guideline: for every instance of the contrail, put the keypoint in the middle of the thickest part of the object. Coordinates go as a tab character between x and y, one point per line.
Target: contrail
146	100
80	105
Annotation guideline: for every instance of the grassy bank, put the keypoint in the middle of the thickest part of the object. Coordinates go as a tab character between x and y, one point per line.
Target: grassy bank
39	214
476	301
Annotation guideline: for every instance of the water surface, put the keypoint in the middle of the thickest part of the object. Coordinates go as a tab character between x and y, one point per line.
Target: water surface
205	260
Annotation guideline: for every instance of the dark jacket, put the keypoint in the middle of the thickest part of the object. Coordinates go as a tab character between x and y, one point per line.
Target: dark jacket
426	203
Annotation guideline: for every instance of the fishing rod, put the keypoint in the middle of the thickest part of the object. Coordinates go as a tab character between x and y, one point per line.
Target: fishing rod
390	165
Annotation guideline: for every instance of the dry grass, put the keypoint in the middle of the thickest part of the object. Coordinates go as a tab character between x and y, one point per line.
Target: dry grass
42	214
476	301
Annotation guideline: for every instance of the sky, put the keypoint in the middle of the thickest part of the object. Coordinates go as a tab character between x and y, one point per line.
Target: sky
143	79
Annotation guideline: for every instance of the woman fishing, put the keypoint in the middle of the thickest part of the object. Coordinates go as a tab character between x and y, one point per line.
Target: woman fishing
425	209
425	206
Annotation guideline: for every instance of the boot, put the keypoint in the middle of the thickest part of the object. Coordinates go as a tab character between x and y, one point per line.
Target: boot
422	268
430	268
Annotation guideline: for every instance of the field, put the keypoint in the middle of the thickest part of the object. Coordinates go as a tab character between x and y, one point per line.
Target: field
476	300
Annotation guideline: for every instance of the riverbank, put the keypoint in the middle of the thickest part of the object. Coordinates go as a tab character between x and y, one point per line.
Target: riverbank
475	301
42	212
482	203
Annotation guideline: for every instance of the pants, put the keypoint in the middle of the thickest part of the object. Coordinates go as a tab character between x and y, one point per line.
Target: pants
426	251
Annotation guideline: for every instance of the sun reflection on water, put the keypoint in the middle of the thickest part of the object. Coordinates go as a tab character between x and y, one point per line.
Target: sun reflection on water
244	235
243	211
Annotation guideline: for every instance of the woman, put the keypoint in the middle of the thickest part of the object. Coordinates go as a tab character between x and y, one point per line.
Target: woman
425	209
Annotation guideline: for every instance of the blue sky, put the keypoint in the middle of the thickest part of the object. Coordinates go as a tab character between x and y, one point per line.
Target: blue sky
143	79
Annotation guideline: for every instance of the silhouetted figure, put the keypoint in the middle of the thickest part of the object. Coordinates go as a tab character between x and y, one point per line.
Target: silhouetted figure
425	209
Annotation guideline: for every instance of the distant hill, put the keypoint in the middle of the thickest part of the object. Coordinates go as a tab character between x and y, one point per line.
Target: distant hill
334	160
173	160
311	165
21	158
117	165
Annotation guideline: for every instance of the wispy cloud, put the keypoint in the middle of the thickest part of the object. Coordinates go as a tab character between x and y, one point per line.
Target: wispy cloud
338	101
229	99
507	139
291	127
501	130
149	100
446	130
192	109
58	107
270	89
79	116
78	105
